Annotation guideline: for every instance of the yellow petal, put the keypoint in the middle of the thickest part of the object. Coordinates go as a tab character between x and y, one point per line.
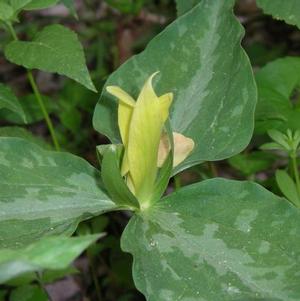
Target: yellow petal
183	146
126	105
124	119
144	135
121	95
125	110
165	103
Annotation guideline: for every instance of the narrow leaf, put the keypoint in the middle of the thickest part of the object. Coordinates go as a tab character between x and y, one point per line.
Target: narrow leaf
287	187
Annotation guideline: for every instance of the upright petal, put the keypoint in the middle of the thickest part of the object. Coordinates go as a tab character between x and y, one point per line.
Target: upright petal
144	135
125	110
165	103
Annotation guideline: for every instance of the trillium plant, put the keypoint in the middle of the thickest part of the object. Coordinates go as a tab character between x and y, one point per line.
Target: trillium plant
146	145
188	98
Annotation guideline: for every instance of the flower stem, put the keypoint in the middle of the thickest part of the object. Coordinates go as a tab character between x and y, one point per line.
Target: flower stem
37	95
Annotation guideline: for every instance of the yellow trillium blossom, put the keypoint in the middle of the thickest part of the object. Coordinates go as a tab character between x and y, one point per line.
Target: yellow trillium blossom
141	124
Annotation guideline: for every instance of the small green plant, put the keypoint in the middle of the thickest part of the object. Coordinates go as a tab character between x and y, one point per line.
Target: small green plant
288	144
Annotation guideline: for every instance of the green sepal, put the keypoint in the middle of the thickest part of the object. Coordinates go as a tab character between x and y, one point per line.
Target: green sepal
110	158
165	172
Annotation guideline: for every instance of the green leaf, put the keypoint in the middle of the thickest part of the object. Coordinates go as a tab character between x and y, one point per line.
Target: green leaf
6	11
211	78
184	6
18	4
28	293
252	163
19	132
40	4
45	193
272	146
277	83
10	102
31	110
280	138
71	119
217	240
288	11
287	187
128	6
54	49
165	171
112	179
54	253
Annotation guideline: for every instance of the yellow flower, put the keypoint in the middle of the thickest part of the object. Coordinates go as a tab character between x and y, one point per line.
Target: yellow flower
141	126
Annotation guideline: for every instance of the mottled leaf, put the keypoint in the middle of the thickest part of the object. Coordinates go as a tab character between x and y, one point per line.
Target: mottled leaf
44	193
53	253
184	6
54	49
10	102
210	77
277	85
288	11
19	132
217	240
